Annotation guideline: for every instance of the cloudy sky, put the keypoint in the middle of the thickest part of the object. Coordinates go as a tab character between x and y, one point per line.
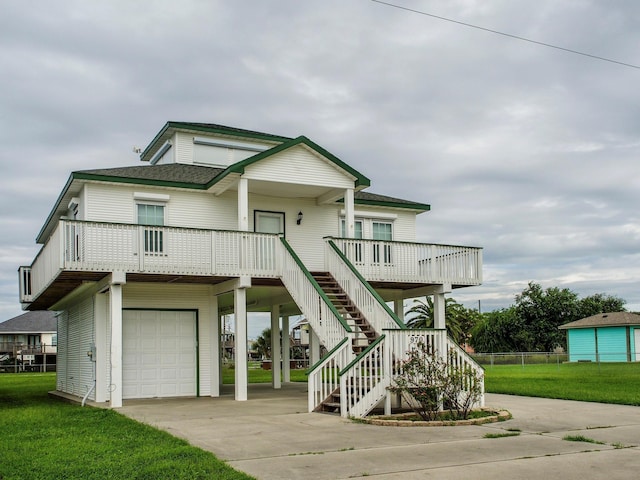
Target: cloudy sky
527	151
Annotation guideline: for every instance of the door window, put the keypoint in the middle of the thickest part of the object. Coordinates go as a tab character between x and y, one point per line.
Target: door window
269	222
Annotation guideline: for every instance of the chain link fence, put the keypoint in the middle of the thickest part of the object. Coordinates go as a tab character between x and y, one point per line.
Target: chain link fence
558	358
520	358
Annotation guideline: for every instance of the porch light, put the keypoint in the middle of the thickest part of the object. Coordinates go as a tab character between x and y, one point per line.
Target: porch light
299	220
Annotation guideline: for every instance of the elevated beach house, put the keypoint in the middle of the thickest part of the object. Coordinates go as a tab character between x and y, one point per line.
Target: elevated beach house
142	262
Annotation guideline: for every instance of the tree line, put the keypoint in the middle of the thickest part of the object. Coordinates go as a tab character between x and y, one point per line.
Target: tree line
529	325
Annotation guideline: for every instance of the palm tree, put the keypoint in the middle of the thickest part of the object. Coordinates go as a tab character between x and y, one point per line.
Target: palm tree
424	315
262	344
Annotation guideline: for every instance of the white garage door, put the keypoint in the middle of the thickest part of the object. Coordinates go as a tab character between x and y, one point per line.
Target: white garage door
159	357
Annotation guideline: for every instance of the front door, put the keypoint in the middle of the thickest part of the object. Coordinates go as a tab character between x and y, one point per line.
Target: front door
267	222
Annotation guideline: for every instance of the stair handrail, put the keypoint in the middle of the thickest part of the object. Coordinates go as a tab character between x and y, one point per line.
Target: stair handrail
363	295
323	378
364	381
461	359
321	314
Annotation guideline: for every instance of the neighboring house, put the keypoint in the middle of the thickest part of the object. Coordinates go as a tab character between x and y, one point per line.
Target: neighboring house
143	261
605	337
30	338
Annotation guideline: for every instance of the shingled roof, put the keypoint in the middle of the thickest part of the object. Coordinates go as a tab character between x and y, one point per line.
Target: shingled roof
198	177
174	173
604	320
39	321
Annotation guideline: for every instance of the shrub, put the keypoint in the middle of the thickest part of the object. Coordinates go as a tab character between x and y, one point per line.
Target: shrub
429	384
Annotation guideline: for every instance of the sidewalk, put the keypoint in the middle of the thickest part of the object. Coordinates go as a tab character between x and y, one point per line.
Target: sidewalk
271	436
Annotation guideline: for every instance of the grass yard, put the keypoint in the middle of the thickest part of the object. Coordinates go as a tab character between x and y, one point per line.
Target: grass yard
606	382
257	375
43	438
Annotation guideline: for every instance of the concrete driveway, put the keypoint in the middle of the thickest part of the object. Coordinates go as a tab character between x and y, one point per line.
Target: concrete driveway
271	436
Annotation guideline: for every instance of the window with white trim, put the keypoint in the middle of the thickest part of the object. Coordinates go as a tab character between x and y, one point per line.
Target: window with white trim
152	215
382	231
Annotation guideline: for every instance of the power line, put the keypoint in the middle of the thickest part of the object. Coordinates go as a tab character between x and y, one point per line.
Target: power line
506	34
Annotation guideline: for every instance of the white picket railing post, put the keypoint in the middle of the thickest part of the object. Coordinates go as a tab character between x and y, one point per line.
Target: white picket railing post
405	261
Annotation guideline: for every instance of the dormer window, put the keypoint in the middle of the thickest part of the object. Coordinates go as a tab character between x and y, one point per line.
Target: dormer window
217	152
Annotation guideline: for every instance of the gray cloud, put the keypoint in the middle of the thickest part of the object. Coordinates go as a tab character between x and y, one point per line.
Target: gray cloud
527	151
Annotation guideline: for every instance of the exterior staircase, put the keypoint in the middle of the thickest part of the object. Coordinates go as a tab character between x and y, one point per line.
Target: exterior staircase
364	336
366	342
365	333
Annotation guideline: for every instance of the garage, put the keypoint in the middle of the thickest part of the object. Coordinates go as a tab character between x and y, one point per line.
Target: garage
604	337
159	353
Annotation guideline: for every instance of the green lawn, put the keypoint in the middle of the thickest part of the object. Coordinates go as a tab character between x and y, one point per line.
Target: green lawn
44	438
258	375
606	382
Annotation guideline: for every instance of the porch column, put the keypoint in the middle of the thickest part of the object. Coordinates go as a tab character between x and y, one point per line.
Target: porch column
286	350
214	338
438	311
349	213
398	308
439	321
275	347
240	323
101	312
115	311
243	205
314	347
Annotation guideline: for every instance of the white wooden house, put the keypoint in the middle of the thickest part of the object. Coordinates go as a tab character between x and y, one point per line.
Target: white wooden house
142	261
31	339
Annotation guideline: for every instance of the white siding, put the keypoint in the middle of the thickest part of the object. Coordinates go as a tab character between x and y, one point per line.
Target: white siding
307	238
115	203
192	209
203	210
75	338
61	359
187	297
300	166
183	147
110	203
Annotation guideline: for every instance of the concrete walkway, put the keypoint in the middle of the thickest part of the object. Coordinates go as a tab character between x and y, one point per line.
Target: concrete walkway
271	436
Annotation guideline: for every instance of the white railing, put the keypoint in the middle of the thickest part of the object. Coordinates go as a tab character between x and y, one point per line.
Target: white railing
403	341
92	246
323	378
377	313
24	280
323	317
45	267
458	358
414	262
20	348
363	384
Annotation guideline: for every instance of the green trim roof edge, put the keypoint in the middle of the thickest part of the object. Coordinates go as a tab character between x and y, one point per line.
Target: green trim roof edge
379	203
55	207
239	167
138	181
